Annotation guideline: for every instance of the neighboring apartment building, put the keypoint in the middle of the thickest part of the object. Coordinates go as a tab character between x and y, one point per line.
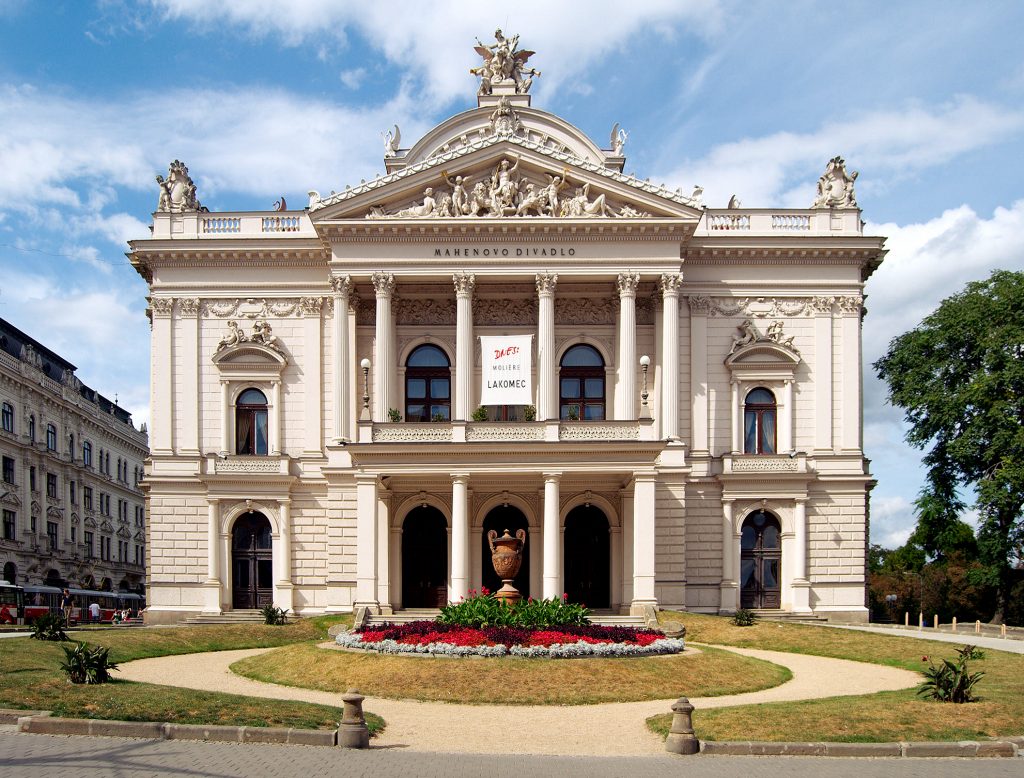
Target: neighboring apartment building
506	331
73	508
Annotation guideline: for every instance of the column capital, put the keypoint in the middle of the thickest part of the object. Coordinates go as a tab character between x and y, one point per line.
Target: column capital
800	500
459	478
383	284
552	476
341	285
671	283
627	283
546	283
464	284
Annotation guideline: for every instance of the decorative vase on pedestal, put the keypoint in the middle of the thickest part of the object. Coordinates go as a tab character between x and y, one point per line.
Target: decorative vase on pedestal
507	556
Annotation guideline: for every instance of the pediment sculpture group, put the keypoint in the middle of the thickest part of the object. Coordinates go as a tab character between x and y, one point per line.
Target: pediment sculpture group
507	193
749	333
262	335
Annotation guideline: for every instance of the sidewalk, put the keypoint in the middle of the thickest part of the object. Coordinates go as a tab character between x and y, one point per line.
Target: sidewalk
594	730
1010	645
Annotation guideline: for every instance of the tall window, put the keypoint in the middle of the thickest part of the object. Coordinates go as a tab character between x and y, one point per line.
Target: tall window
87	497
32	428
8	470
87	454
10	525
73	492
251	423
581	384
71	445
51	485
51	437
87	542
8	417
759	413
428	385
32	478
51	534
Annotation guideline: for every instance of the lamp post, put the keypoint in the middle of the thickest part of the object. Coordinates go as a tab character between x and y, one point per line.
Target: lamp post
365	414
645	412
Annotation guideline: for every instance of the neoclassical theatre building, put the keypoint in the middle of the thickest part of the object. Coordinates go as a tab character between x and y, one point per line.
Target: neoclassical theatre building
504	330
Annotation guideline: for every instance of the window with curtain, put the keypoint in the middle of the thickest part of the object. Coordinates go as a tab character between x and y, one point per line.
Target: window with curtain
51	437
581	384
759	416
428	385
251	423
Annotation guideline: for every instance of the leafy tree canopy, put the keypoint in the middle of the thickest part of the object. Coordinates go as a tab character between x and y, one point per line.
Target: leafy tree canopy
959	377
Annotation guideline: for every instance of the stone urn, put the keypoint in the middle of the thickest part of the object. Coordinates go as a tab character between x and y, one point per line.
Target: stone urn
507	557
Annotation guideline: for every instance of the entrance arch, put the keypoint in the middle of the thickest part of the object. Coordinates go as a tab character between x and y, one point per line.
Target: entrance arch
11	573
587	551
501	518
424	558
252	562
760	561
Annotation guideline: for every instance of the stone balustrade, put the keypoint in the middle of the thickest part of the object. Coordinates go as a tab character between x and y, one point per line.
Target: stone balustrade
231	225
761	222
762	464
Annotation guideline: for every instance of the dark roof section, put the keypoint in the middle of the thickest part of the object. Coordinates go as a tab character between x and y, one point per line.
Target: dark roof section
13	340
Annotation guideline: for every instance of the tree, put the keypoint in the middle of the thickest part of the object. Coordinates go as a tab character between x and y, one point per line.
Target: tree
959	377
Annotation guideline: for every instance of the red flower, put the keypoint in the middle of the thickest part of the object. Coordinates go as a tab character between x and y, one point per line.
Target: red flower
565	596
484	591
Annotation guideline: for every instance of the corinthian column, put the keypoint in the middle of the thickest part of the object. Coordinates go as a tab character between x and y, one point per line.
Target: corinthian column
670	285
342	288
625	393
548	378
463	344
384	287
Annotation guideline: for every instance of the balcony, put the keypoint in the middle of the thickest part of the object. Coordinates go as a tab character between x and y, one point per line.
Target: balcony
241	465
755	465
232	225
757	222
511	432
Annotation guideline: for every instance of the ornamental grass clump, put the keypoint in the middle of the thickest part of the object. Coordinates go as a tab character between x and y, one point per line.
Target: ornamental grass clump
485	610
87	664
951	680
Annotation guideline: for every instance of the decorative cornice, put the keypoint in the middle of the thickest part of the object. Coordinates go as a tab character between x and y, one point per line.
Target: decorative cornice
770	307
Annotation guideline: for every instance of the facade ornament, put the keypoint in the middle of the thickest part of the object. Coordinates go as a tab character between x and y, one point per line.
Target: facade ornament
504	188
822	304
749	333
585	310
391	141
281	205
311	306
68	378
775	334
464	284
580	204
734	203
233	337
314	199
425	312
697	198
546	283
627	283
490	311
177	191
850	304
262	334
162	306
618	140
341	285
188	306
835	187
383	284
503	64
504	119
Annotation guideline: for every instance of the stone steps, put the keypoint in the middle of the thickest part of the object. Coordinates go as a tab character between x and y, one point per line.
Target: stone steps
228	617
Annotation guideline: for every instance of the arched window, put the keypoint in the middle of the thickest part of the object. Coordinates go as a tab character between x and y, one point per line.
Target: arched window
87	453
251	423
581	384
428	385
51	437
759	414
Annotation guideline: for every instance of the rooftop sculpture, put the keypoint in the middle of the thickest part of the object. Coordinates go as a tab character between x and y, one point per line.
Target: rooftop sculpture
503	61
835	187
177	191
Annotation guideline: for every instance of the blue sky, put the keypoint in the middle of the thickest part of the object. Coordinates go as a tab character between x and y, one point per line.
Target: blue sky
265	98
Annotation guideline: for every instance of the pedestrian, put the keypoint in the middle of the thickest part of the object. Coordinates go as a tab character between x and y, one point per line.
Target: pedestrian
67	605
94	612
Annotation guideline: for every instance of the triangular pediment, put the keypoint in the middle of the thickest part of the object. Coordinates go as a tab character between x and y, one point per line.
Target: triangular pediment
507	177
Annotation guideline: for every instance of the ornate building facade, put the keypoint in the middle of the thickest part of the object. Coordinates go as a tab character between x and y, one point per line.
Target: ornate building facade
504	330
73	507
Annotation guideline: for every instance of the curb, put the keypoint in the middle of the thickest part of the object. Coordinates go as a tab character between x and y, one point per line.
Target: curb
1006	747
41	723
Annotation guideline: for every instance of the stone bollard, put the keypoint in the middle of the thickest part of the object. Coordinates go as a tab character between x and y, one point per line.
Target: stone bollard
681	738
353	732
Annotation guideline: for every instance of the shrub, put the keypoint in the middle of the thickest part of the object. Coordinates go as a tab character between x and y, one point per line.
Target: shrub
951	681
49	626
274	616
484	610
87	664
744	617
480	414
393	415
530	412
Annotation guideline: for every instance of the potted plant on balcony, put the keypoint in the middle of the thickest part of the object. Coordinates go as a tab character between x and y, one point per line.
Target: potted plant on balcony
480	414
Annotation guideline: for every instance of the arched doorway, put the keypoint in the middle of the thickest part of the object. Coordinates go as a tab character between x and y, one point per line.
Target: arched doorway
424	559
11	573
53	578
760	561
505	517
252	562
587	557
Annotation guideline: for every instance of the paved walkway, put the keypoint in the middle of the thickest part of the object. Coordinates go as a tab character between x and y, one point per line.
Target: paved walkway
590	730
1010	645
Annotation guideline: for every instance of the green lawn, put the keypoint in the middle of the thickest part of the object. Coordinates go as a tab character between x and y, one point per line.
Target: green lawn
887	716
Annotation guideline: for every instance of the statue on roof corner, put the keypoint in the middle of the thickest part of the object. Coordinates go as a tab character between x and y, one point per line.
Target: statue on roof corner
503	62
835	187
177	191
391	141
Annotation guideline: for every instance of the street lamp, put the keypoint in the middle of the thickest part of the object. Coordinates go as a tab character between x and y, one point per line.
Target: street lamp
365	365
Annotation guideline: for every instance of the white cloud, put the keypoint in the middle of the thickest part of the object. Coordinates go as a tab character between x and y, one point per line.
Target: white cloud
417	36
892	521
781	169
353	78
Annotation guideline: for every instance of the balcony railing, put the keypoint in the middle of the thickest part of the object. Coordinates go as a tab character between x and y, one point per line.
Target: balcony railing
764	464
529	431
231	225
247	465
763	222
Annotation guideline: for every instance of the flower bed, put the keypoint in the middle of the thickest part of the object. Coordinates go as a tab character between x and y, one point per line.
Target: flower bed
433	637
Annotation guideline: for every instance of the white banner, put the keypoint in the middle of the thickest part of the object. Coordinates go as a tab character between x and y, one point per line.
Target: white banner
506	372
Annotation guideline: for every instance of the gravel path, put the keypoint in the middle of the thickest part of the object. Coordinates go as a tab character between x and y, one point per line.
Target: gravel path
595	730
